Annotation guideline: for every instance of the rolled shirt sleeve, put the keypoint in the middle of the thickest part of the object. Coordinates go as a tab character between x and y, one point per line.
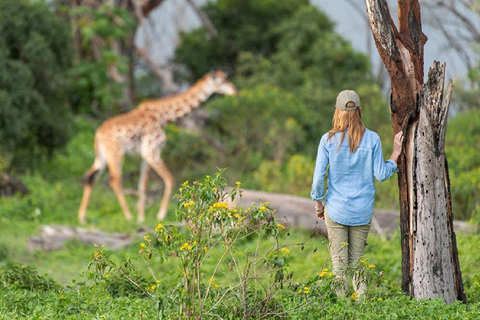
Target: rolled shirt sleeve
382	169
318	192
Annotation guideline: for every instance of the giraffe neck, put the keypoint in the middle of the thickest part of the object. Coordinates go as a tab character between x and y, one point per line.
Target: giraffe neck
174	107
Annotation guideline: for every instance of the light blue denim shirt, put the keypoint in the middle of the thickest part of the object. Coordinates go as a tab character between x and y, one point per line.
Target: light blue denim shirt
350	189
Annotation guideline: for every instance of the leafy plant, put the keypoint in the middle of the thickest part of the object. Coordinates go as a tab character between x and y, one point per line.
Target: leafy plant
120	279
214	227
25	277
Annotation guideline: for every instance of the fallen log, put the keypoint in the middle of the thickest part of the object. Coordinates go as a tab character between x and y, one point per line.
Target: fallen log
53	237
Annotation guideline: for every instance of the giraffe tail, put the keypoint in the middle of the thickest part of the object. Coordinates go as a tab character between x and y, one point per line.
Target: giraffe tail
97	167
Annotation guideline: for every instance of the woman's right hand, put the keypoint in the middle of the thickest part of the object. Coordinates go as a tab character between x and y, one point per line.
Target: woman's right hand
397	146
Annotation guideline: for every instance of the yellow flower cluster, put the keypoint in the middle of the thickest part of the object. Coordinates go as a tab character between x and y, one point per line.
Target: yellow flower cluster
187	246
189	204
354	296
158	227
213	283
304	290
323	273
281	226
152	288
221	205
371	266
285	250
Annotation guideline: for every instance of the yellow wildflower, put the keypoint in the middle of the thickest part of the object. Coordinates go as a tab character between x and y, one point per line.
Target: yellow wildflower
158	227
185	183
107	275
186	245
142	245
354	296
214	189
158	281
285	250
146	237
153	288
306	290
238	183
379	299
322	274
205	249
371	266
220	205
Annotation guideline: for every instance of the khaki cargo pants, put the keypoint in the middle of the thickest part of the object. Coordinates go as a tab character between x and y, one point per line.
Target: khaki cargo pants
347	244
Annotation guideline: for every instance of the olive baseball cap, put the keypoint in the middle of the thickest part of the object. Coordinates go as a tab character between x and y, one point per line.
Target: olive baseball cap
345	97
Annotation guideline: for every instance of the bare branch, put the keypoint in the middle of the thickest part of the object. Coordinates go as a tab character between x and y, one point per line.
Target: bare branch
164	74
468	24
203	17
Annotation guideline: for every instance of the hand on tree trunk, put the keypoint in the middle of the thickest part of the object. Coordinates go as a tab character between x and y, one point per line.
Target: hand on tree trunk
397	146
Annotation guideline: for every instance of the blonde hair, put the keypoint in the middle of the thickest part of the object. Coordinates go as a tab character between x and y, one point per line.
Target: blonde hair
351	120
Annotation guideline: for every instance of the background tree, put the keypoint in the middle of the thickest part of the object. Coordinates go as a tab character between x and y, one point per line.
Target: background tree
35	57
430	266
107	55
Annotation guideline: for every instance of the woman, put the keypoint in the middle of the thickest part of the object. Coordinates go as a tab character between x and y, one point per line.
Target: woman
352	154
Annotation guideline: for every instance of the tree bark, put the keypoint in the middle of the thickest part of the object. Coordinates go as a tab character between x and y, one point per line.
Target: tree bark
430	266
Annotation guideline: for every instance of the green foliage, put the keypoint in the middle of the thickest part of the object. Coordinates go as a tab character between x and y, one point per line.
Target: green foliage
272	133
25	277
242	25
464	164
35	56
119	280
99	30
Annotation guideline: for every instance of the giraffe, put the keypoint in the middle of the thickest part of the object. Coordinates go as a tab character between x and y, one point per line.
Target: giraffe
142	132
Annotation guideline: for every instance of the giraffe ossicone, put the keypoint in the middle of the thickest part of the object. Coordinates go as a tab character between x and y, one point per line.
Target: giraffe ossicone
142	132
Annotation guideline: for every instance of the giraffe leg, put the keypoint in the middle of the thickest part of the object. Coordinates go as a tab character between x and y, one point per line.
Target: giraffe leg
89	181
161	169
115	168
142	187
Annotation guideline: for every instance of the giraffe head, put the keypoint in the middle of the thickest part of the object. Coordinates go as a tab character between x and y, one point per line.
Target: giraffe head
221	83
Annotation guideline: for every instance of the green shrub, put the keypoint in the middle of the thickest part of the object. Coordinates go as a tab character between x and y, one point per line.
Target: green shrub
25	277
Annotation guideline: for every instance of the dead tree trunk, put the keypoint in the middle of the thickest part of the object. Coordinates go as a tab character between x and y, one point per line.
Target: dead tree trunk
430	266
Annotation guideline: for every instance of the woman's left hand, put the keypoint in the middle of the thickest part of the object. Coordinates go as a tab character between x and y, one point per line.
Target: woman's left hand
320	210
